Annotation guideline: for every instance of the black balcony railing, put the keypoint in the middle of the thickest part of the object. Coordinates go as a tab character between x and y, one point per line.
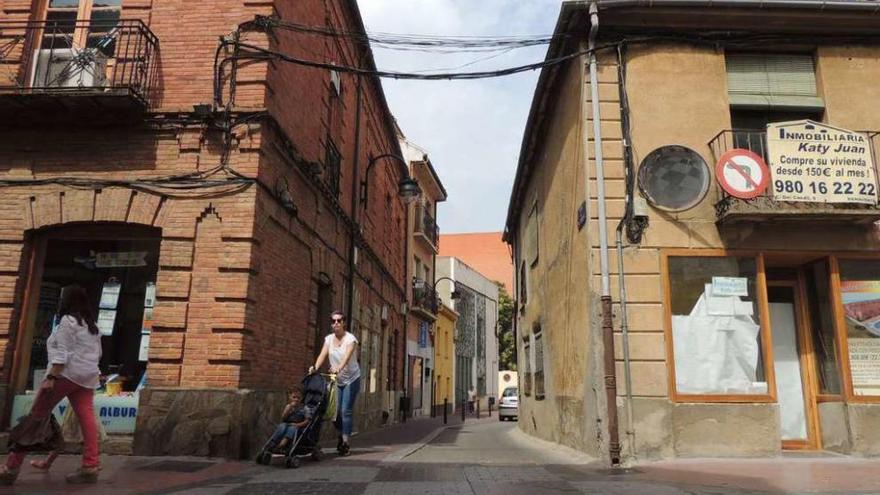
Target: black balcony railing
79	57
764	206
424	297
427	226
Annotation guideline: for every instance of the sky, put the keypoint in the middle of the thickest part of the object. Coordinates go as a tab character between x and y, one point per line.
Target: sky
472	130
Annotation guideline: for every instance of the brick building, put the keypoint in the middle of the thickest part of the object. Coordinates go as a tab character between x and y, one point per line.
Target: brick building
208	194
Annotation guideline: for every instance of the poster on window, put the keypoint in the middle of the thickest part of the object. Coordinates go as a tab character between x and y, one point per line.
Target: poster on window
817	163
861	306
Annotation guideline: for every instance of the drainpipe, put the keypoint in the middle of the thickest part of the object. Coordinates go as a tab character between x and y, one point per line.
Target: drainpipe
607	321
355	203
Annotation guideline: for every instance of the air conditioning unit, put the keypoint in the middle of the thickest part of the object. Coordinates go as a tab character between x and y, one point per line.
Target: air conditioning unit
68	68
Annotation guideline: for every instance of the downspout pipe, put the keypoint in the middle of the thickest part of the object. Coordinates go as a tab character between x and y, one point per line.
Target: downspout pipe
353	235
607	320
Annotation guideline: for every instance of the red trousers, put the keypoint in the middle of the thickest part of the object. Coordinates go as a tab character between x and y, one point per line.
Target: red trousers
81	399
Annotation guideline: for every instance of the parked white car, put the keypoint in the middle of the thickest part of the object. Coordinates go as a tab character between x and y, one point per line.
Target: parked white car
508	408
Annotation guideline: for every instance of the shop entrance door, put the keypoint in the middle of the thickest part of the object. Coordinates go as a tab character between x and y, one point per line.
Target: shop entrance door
796	394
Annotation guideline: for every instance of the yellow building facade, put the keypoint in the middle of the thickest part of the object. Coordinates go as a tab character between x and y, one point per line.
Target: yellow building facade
444	356
749	323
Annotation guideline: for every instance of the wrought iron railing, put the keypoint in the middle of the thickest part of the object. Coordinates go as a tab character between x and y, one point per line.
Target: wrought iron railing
427	226
118	56
424	296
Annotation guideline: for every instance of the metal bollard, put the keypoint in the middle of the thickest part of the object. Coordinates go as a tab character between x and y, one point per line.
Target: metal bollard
478	408
463	406
490	408
444	410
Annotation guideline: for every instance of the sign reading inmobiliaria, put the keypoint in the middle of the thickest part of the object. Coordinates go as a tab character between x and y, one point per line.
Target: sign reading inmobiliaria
817	163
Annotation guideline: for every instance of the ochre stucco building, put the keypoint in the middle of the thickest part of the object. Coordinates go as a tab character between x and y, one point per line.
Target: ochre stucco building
749	322
209	197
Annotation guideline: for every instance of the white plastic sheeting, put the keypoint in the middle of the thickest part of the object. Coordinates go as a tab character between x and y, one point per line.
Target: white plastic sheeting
716	347
792	411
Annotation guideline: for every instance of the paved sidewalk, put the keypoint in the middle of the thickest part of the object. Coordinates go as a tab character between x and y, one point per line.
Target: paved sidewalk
479	457
122	475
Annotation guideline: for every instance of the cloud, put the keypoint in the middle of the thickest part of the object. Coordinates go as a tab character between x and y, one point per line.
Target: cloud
471	129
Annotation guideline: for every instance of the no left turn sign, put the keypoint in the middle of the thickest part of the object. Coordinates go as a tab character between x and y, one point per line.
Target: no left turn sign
742	174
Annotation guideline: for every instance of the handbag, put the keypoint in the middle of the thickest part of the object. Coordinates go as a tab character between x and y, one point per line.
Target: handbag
71	430
36	435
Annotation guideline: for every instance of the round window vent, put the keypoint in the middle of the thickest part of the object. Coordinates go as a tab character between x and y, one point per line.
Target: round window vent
674	178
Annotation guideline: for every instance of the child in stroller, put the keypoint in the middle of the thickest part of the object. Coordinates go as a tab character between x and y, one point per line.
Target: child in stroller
300	428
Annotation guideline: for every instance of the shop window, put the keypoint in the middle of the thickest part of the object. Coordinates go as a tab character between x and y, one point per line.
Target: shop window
716	334
117	266
539	361
822	327
860	294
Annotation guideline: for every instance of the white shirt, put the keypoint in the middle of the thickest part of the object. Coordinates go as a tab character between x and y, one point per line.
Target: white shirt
336	351
72	345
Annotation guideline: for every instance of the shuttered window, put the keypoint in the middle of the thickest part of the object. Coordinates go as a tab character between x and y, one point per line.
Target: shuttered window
773	81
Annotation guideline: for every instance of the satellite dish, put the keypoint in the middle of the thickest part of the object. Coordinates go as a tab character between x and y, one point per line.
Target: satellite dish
674	178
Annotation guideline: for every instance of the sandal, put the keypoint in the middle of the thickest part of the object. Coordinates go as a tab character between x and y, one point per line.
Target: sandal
83	476
8	476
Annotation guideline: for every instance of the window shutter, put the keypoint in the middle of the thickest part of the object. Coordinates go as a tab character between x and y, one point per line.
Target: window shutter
772	80
771	74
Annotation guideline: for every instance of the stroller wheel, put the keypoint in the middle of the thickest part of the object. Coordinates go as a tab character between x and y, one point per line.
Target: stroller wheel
292	462
317	455
264	457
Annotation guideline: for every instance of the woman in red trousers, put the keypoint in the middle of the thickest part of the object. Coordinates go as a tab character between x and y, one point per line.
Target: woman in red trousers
74	349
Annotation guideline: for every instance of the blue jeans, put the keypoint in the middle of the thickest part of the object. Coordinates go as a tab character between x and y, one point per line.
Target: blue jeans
283	430
345	406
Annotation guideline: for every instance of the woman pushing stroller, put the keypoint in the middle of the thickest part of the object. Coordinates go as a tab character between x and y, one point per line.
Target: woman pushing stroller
340	347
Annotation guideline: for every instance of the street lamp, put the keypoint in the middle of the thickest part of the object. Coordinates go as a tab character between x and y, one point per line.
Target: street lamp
408	188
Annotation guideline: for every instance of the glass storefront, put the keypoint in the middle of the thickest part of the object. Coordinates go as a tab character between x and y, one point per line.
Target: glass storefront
117	266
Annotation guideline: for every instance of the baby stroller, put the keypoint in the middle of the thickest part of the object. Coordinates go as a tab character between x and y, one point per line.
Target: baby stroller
315	397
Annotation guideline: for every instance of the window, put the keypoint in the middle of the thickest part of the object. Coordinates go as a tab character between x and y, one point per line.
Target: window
532	235
332	166
766	88
777	81
539	361
715	327
860	294
527	366
523	286
325	307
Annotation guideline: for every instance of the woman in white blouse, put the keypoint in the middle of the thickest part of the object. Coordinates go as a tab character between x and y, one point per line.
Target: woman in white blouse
74	349
340	346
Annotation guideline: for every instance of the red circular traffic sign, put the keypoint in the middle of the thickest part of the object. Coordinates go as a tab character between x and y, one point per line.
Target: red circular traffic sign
742	174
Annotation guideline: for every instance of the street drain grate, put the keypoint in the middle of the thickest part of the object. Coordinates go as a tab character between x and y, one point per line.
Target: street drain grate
177	466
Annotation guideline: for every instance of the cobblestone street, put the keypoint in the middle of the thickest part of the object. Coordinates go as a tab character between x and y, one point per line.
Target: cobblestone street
480	457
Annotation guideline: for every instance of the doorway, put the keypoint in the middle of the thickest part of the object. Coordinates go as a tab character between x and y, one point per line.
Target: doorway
790	318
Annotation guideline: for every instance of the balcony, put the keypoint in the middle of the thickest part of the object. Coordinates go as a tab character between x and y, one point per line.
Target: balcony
764	208
426	229
82	72
424	299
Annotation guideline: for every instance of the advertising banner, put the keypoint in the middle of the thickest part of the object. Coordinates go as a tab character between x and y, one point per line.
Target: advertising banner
816	163
118	414
861	304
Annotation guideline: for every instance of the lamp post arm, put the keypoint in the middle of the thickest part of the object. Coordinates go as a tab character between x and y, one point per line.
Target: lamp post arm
365	184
